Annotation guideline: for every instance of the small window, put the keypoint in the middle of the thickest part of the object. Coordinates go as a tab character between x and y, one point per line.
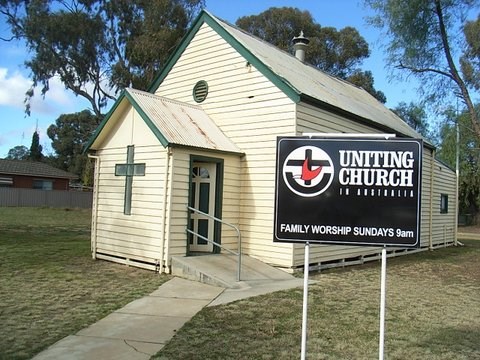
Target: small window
6	182
43	184
443	204
200	91
201	172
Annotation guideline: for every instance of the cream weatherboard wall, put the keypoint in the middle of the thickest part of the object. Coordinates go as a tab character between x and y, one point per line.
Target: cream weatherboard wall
445	183
156	228
252	112
136	238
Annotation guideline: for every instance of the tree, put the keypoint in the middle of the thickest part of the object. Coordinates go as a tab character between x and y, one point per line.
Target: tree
69	135
35	153
364	79
337	52
415	116
469	159
470	61
424	41
19	152
97	47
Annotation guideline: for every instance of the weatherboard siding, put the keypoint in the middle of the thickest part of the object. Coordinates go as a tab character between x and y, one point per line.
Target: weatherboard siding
252	112
445	183
426	223
311	119
136	237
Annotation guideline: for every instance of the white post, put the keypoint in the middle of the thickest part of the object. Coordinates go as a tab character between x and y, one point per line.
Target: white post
457	173
383	282
305	300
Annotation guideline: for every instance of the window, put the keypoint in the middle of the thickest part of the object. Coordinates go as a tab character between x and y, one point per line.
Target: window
443	204
6	182
43	184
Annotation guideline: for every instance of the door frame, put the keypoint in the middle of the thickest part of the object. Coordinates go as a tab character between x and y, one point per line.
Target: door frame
217	227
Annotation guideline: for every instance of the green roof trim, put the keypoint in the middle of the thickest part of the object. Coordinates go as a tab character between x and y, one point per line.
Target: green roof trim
147	120
206	17
142	114
102	124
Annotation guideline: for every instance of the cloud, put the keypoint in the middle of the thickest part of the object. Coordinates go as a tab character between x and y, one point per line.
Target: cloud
13	87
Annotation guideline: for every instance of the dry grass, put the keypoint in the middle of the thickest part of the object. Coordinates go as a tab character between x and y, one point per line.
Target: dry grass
433	312
50	286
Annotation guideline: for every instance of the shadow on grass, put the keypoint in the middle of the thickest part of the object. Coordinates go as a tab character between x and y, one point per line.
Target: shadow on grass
458	340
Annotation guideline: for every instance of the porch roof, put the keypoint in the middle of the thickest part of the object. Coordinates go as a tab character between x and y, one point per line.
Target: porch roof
172	122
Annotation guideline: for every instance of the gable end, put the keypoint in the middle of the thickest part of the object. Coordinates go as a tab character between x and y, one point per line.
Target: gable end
206	18
125	95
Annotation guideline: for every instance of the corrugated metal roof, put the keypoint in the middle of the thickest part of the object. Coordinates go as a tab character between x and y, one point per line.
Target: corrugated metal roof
32	168
314	83
180	123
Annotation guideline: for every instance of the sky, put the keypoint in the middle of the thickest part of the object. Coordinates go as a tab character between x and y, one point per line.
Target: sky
17	129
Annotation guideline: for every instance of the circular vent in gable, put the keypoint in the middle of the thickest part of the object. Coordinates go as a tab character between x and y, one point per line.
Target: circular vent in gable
200	91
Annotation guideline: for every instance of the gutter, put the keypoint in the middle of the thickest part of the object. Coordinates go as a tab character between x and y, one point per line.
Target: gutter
95	205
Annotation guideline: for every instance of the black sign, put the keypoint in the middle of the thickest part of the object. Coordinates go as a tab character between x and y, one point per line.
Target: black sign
348	191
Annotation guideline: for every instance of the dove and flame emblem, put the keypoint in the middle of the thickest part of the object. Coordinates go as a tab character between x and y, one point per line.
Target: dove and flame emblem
308	171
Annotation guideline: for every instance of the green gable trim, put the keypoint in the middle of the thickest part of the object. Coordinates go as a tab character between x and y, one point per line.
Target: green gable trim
102	124
140	111
147	120
205	17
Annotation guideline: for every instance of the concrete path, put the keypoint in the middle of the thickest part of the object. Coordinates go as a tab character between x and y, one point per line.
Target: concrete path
140	329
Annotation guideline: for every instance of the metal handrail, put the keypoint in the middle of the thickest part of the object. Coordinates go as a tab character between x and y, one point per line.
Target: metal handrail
238	254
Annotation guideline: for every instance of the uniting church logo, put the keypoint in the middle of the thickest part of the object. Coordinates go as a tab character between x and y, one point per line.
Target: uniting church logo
308	171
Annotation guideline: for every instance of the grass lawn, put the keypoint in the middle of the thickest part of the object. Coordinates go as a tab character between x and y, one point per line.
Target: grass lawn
50	288
433	312
49	285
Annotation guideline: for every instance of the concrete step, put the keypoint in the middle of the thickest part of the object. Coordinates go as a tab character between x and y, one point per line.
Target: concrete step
221	270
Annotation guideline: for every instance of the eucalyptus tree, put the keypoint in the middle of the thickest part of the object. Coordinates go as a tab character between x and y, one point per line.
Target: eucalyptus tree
97	47
434	41
467	146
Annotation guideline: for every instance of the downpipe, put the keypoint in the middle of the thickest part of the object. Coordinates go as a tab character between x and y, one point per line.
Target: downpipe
93	236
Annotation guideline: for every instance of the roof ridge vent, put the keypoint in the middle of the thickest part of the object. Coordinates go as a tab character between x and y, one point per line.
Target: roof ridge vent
300	44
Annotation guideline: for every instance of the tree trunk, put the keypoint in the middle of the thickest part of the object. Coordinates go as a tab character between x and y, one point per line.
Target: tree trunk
464	93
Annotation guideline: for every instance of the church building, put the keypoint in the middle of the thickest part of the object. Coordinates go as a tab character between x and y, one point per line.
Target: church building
202	141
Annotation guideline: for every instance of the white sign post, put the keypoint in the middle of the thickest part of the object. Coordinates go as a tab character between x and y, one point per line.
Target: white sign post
325	186
305	301
383	292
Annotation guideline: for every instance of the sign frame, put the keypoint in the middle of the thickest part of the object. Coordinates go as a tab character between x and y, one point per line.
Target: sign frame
380	154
